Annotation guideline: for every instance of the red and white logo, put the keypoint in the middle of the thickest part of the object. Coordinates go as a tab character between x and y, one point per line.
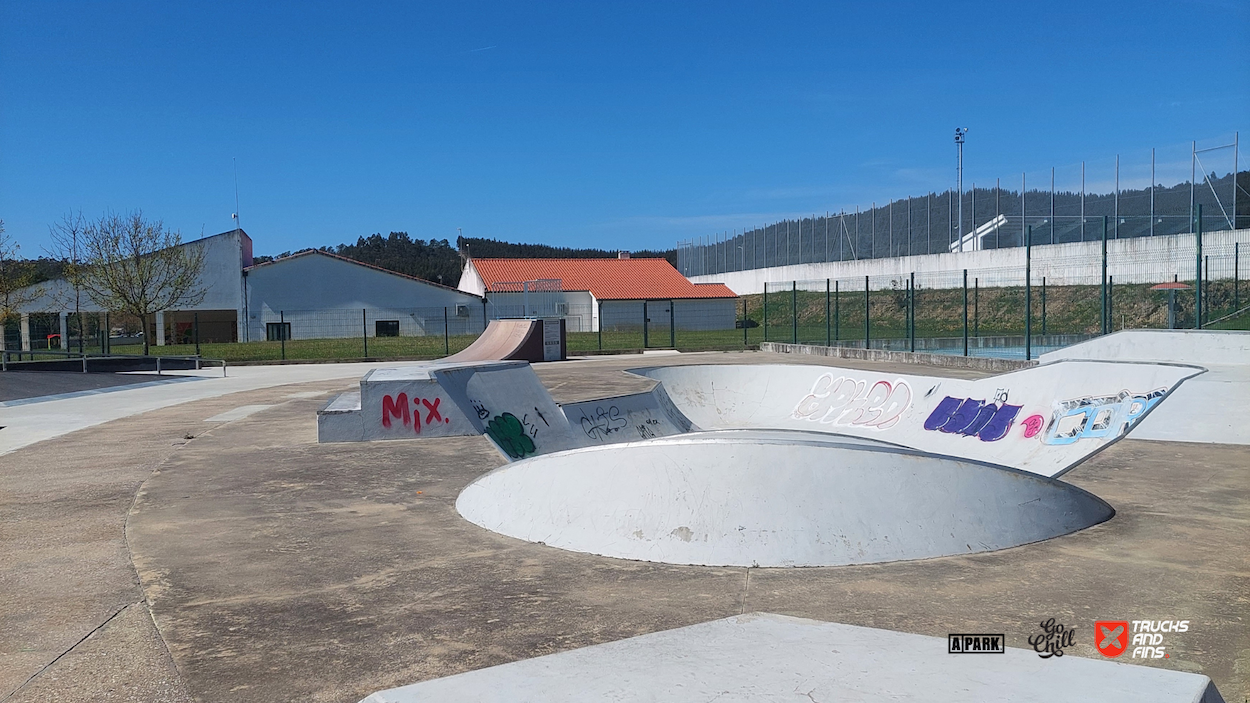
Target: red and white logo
1111	637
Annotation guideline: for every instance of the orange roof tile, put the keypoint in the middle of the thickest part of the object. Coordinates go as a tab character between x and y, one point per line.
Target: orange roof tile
606	279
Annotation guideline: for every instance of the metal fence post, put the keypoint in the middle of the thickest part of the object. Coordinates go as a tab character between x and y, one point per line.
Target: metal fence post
745	341
197	334
837	313
672	326
1043	306
828	322
765	311
1110	302
1198	274
794	311
965	312
976	307
911	311
645	326
446	334
1028	293
867	308
105	347
1105	321
364	329
1236	280
1206	286
282	331
600	305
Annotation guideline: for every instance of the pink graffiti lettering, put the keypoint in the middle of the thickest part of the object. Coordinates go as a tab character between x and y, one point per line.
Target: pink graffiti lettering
1032	425
843	401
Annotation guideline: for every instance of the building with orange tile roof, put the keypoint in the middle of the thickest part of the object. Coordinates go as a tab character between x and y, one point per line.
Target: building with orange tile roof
587	292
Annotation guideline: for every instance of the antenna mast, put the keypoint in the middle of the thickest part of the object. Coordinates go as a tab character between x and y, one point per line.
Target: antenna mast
235	216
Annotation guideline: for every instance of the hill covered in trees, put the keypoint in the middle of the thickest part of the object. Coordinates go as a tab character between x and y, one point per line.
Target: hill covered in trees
436	260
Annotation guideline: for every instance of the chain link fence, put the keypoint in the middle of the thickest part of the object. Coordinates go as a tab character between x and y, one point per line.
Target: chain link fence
1064	204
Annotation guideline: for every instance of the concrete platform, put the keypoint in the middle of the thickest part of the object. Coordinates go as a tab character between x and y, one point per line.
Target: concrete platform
278	568
772	498
1199	410
765	657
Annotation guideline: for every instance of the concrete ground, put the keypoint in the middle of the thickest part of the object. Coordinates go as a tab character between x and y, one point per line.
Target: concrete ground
159	557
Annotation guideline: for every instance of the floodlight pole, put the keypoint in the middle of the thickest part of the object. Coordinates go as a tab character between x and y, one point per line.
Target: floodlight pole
959	143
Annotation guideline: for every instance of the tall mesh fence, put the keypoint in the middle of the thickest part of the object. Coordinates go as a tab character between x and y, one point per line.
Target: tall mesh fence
1149	194
1011	311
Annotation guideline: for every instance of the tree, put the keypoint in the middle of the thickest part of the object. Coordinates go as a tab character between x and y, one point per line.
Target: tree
17	277
66	237
140	267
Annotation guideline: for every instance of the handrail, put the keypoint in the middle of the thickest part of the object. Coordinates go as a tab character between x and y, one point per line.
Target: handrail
1235	313
6	354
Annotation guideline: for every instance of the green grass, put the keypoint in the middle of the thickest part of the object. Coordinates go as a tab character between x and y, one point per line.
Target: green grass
1240	322
1072	310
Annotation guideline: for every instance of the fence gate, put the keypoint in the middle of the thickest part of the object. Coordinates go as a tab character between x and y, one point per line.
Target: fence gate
543	297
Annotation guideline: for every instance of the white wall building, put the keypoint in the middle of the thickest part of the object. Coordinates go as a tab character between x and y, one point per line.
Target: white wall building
594	293
312	294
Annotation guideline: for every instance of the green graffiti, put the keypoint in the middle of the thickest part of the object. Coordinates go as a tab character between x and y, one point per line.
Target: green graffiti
509	434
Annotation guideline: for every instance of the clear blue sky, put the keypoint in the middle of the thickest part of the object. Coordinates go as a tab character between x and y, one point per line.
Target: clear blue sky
614	125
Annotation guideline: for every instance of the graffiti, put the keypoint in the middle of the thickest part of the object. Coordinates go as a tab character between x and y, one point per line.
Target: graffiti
987	421
530	428
508	432
646	430
1033	425
601	423
434	415
1095	417
845	401
397	408
480	408
541	416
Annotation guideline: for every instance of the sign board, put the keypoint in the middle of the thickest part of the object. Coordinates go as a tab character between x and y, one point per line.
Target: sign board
553	340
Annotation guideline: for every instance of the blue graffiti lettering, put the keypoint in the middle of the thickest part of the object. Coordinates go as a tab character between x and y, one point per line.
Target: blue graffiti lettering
988	421
1095	417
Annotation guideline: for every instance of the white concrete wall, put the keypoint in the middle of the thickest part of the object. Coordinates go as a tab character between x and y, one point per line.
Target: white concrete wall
1138	260
471	281
221	279
323	296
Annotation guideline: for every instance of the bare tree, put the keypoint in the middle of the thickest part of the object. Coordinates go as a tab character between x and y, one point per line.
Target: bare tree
66	237
140	267
17	278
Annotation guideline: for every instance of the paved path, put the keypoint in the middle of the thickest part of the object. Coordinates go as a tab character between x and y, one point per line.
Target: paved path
277	568
31	422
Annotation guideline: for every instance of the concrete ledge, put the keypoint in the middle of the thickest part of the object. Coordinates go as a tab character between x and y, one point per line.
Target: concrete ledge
979	363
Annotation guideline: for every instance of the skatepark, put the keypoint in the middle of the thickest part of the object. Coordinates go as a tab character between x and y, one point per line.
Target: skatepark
285	533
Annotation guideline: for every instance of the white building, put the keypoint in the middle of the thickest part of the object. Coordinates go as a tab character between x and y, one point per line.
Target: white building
590	293
308	295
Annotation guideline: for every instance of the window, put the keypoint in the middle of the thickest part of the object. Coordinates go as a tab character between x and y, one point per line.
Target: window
386	328
277	331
